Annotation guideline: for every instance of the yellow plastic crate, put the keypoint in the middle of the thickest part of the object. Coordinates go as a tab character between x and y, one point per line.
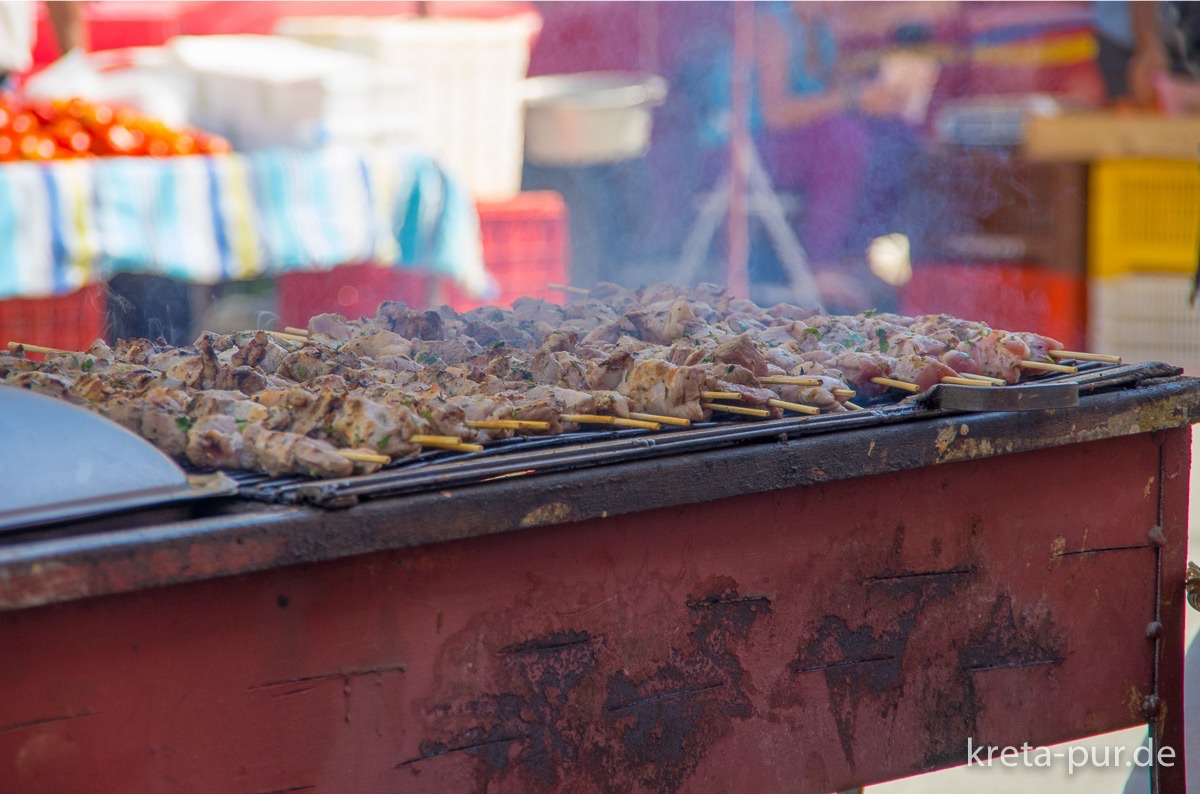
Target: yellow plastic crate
1145	317
1143	217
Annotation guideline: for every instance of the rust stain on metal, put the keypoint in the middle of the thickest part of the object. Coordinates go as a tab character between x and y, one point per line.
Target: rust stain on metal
945	437
1006	642
1133	702
1009	643
971	448
532	727
864	664
656	724
1057	547
549	513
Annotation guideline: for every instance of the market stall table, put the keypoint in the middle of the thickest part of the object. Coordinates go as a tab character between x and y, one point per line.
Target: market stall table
65	225
803	605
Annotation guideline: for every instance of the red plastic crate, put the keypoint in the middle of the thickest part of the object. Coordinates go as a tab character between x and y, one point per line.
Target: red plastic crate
525	246
350	290
70	322
1015	297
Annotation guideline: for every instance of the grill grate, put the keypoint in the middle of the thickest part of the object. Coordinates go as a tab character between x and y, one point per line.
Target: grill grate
526	456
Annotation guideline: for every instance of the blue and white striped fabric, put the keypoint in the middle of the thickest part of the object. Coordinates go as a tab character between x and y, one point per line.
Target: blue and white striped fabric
156	216
209	219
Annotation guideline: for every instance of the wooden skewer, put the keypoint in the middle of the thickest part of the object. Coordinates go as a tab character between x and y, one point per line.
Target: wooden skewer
642	423
994	381
452	443
664	420
797	407
289	337
429	441
737	409
896	384
587	419
508	424
1039	365
37	348
287	329
1086	356
364	457
843	392
852	406
720	395
565	288
968	382
788	380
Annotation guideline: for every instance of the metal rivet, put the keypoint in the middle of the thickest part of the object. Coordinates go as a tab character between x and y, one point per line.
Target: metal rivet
1154	630
1156	537
1150	705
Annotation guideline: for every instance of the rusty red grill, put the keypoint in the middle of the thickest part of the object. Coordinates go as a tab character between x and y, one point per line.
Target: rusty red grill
804	605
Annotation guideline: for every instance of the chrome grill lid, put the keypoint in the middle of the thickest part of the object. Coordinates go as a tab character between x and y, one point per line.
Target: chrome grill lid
59	461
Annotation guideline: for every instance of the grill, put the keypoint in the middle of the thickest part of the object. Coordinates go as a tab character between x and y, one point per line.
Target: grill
872	588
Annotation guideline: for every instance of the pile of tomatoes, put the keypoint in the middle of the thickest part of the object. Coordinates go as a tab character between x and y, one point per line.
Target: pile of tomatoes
39	129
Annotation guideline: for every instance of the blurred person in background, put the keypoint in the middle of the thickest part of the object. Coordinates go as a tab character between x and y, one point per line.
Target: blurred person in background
842	144
18	28
1148	51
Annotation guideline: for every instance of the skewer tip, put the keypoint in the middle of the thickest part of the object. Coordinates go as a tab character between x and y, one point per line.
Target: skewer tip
897	384
1043	366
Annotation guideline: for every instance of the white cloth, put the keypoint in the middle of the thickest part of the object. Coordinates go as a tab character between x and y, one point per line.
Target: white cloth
18	25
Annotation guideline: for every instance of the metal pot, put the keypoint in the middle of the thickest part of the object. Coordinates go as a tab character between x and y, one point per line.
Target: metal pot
589	118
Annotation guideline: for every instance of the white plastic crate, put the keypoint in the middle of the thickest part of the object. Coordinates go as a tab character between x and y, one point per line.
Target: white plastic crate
467	104
1145	318
271	91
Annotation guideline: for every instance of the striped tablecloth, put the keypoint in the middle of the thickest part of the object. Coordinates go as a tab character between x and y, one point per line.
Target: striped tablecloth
210	219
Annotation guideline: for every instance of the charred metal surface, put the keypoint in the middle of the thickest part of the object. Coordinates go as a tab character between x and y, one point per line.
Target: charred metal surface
533	727
570	711
865	663
249	537
1007	643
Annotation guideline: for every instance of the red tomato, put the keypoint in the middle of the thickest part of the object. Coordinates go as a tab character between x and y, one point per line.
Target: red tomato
120	139
184	144
79	142
43	110
24	123
100	115
218	145
126	117
62	130
36	147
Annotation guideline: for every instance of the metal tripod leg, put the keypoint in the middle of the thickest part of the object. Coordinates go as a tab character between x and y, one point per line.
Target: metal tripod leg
700	236
763	203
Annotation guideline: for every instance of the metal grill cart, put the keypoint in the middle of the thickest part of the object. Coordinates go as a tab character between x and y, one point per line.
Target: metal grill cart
802	605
